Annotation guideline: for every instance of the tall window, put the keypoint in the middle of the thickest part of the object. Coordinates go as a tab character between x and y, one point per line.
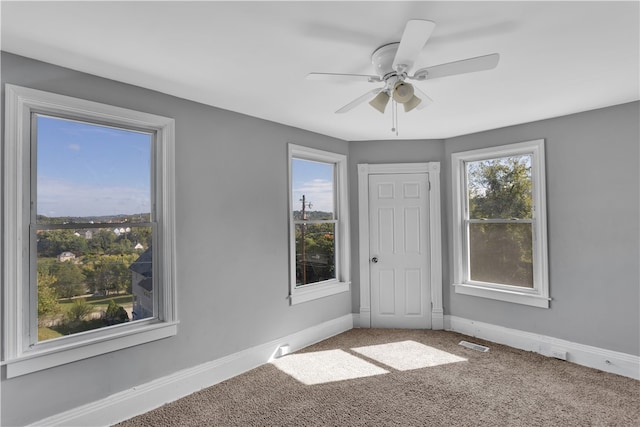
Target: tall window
500	232
314	220
318	219
90	255
91	226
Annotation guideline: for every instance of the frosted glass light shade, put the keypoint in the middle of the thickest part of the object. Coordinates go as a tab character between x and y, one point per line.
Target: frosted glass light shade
412	103
380	101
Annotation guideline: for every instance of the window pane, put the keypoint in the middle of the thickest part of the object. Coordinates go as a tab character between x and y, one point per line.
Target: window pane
91	173
315	249
501	253
90	279
500	188
313	190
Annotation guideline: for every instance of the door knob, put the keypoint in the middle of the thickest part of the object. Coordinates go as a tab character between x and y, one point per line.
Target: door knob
374	260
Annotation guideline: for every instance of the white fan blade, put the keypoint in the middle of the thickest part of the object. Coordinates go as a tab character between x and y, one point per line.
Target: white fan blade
366	97
415	36
423	96
343	77
480	63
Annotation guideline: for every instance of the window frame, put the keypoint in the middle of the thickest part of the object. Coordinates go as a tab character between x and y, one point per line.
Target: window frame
18	355
538	296
341	283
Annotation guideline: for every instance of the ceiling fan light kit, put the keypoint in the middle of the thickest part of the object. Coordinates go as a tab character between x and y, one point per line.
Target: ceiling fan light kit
402	92
393	61
380	101
412	103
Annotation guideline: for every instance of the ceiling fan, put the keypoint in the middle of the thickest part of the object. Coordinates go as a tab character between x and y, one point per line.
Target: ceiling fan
393	61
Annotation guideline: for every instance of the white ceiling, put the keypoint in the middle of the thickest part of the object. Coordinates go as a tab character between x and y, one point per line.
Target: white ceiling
556	58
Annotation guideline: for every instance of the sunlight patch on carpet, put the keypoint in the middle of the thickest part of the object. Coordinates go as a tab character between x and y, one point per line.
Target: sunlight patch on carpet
326	366
407	355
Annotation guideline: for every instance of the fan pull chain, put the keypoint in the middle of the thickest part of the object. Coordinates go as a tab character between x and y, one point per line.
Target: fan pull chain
394	117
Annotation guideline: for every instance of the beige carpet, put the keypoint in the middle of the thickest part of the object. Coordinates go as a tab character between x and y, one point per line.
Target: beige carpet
387	377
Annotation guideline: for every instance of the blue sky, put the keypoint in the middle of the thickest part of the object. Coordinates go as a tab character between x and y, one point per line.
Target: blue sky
85	169
315	181
91	170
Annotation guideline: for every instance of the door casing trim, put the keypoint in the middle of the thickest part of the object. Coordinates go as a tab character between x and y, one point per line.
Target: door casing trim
432	169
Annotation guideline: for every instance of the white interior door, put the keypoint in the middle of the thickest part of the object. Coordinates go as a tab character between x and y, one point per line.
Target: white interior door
398	251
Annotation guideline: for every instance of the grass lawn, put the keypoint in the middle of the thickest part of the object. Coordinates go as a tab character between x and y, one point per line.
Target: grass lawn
100	303
47	334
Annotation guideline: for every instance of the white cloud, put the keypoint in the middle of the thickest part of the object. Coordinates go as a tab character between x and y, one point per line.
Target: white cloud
58	197
318	192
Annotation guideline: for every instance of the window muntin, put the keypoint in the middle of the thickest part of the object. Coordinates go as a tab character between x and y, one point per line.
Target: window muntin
88	276
24	225
500	242
318	221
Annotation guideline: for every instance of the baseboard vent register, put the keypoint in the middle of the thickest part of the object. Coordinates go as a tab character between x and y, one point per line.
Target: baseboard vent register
474	346
283	350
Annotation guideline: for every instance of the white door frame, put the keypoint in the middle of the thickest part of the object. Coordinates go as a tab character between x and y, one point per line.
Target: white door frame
432	169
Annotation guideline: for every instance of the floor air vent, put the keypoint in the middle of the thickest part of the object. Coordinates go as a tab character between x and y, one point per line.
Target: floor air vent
473	346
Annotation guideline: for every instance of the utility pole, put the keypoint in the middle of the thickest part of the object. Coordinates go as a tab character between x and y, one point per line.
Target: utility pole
305	205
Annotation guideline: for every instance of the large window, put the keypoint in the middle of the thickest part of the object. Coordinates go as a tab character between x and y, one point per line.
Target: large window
89	205
318	223
499	223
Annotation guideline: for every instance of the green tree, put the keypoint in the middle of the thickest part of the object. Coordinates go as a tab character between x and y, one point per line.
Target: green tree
101	241
501	189
101	278
318	244
122	245
47	297
109	273
141	235
79	310
52	242
115	314
69	279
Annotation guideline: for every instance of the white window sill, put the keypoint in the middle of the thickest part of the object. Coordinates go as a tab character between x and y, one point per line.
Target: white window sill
501	294
312	292
39	360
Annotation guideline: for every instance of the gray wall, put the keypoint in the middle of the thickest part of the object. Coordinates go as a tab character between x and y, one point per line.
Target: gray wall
376	152
231	187
232	245
593	188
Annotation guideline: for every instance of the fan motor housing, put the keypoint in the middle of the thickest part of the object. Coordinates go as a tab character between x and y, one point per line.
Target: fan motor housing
382	59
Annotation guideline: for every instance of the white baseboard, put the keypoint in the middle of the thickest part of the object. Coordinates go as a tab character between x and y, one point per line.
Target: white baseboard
143	398
363	319
594	357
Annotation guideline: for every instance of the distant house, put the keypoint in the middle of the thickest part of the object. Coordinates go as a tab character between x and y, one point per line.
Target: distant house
66	256
138	246
87	234
142	285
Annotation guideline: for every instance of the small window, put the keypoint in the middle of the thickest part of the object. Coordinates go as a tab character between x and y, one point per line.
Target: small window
314	220
318	219
90	256
500	231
